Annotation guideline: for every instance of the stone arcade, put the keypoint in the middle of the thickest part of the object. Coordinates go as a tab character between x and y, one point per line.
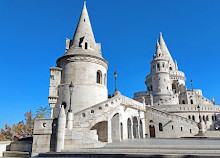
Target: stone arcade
89	119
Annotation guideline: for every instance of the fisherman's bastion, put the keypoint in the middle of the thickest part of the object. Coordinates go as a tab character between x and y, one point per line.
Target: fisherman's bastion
83	115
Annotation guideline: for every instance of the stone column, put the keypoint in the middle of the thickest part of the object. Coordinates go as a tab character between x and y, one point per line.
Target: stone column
61	130
70	120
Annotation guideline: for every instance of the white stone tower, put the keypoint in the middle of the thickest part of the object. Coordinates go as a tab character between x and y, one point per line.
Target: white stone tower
84	66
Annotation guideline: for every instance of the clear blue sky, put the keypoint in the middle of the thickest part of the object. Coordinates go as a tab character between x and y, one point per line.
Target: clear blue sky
32	37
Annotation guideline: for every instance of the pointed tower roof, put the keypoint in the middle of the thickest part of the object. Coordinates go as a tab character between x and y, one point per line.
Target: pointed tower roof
164	48
84	33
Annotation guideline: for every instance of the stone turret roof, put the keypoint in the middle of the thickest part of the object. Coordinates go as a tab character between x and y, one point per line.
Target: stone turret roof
83	38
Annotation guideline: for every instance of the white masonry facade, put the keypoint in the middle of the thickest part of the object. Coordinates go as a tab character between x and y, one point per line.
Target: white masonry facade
83	116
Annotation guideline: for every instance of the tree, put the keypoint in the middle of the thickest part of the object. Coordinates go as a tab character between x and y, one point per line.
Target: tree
7	134
19	128
29	126
42	112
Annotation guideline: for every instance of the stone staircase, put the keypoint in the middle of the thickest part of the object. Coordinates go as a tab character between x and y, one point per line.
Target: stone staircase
164	148
74	140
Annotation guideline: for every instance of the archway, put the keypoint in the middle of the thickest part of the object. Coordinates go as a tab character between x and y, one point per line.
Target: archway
102	130
141	129
152	131
129	128
135	127
116	134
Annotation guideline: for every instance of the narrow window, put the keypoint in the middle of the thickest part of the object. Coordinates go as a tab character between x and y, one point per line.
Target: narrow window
213	119
160	127
86	45
172	126
98	77
190	130
183	102
203	117
191	101
193	118
207	118
163	65
181	129
158	67
189	117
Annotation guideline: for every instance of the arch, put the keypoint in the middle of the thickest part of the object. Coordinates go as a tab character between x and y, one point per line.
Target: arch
193	117
152	131
191	101
129	128
102	130
115	131
99	77
135	127
207	118
174	88
183	102
86	45
160	127
63	104
203	117
141	129
158	67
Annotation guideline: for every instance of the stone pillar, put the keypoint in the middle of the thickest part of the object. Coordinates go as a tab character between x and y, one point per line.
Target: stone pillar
109	130
70	120
61	130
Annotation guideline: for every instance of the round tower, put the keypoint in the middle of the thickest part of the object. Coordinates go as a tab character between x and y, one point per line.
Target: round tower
84	66
160	73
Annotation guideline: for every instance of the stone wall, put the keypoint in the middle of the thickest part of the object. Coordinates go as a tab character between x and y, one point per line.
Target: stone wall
4	146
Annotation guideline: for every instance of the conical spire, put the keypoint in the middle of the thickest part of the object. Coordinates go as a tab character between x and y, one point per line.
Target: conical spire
164	47
83	36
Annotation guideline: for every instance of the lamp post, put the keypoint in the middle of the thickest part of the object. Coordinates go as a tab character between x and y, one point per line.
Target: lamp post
115	74
198	107
71	92
191	84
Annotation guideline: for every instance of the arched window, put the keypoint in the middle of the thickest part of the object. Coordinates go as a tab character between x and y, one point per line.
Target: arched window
86	45
181	129
191	101
183	102
172	126
213	118
190	130
98	77
64	105
189	117
160	127
163	65
158	67
193	118
203	117
170	68
207	118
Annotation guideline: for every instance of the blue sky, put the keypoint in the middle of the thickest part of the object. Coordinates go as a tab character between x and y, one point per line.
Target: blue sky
32	37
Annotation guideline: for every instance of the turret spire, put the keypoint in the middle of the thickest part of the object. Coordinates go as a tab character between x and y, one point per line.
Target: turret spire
83	36
164	47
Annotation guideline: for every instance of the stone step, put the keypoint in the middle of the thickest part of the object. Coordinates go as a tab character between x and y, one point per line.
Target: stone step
122	155
16	154
143	151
